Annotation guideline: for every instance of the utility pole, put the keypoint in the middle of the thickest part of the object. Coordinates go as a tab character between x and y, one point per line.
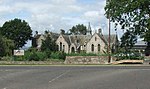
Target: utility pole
109	40
109	49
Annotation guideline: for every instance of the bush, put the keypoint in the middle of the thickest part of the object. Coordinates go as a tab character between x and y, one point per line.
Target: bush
131	56
37	56
48	53
6	58
58	55
82	54
33	57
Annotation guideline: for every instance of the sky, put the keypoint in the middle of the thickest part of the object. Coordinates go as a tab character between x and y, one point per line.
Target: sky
54	15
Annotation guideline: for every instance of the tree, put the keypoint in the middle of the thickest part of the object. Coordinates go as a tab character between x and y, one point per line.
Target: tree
62	31
78	29
128	40
17	30
48	44
133	15
6	46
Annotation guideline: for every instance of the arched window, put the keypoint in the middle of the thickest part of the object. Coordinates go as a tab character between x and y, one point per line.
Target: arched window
60	46
99	48
95	38
92	47
72	50
63	47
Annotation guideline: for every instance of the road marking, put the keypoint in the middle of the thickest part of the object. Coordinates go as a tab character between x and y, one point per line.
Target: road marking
59	76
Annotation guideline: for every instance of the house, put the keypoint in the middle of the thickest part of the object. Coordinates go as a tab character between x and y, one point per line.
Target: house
38	38
96	43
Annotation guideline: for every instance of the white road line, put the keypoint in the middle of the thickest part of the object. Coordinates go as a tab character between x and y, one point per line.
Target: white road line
59	76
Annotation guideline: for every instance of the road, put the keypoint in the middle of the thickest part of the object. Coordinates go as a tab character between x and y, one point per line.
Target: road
74	77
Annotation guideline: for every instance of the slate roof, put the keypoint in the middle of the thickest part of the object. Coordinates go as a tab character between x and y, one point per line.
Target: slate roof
77	39
54	36
37	36
82	39
112	38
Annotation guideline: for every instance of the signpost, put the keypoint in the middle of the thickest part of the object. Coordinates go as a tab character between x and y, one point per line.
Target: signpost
18	52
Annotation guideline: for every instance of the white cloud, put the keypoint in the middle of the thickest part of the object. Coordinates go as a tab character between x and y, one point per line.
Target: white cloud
54	14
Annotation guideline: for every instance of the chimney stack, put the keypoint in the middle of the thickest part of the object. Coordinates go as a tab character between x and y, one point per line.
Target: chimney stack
99	31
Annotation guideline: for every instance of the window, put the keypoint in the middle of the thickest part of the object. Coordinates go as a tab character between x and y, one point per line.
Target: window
63	47
95	38
92	47
99	47
72	50
60	46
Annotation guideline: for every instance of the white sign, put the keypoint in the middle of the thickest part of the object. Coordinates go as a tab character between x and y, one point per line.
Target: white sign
19	52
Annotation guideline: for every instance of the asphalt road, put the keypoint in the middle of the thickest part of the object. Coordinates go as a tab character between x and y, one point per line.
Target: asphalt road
74	77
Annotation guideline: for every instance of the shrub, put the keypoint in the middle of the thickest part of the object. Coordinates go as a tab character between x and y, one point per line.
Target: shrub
58	55
37	56
82	54
48	53
6	58
62	55
33	57
131	56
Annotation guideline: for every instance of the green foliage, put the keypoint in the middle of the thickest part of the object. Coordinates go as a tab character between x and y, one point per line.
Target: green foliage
78	29
37	56
82	54
33	57
62	31
129	55
48	44
17	30
48	53
6	46
128	40
6	58
58	55
132	15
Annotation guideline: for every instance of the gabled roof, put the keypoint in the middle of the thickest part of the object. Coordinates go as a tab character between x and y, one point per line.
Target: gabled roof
66	37
113	38
102	37
54	36
77	39
37	36
82	39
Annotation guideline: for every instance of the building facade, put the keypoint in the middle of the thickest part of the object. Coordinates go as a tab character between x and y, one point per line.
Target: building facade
96	43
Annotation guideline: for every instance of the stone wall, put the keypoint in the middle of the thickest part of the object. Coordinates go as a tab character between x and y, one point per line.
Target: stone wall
88	60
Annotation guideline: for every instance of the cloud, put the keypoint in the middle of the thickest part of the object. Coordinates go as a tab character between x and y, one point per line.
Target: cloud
55	14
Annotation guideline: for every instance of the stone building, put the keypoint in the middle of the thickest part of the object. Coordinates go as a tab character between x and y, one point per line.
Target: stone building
96	43
38	38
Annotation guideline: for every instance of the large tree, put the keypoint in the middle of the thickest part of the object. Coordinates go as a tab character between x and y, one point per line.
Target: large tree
132	15
17	30
78	29
127	40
